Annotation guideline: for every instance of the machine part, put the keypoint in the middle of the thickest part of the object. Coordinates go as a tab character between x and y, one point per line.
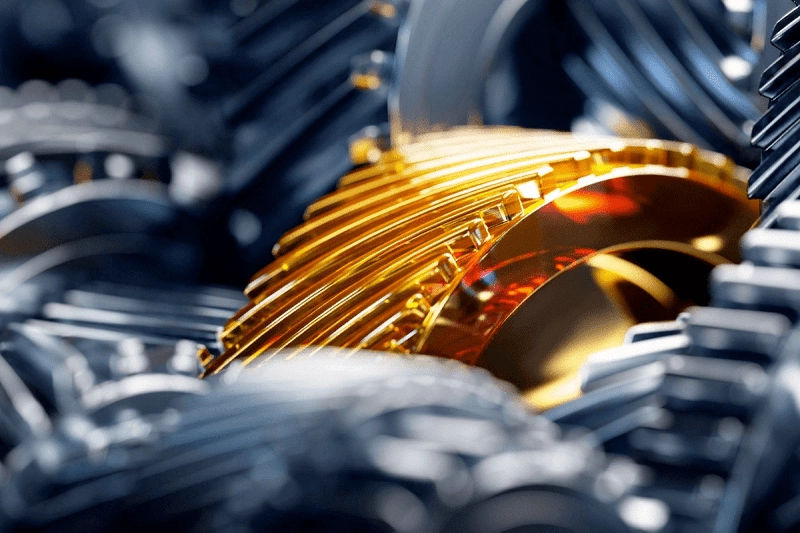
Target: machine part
72	117
272	91
77	348
82	165
676	70
715	394
264	96
366	443
711	399
444	247
775	180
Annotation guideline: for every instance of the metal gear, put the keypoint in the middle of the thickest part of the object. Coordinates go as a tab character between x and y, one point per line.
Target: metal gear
96	439
729	368
674	70
447	245
273	92
358	444
775	180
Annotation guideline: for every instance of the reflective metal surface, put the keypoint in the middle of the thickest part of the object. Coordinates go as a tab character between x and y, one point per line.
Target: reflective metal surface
683	70
451	240
199	131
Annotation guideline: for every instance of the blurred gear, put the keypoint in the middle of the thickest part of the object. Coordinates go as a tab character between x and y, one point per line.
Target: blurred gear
454	245
272	90
84	169
101	348
676	70
679	401
72	348
115	329
366	443
95	196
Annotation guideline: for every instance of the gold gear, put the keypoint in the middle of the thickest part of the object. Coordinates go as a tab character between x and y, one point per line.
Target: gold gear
521	251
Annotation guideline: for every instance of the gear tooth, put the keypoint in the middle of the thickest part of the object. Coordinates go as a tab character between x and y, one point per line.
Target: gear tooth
734	333
603	365
652	330
787	216
757	288
786	190
787	30
781	115
771	247
781	73
630	393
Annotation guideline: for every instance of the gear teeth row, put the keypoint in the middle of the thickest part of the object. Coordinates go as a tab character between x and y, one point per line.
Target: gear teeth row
679	403
85	350
787	31
777	132
703	395
455	202
437	447
89	369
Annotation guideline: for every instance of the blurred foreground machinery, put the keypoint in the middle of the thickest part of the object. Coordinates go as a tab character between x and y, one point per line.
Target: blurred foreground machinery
366	443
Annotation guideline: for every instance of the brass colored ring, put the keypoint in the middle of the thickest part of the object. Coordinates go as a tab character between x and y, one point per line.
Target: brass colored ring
448	242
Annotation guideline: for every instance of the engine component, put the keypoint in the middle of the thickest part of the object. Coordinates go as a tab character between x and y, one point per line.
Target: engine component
273	92
675	70
366	443
715	394
775	180
708	402
444	246
84	169
457	244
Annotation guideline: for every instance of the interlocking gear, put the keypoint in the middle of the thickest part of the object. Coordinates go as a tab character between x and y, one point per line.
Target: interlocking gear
367	443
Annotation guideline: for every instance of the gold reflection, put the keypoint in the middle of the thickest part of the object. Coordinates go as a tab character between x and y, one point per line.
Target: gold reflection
588	307
709	243
521	251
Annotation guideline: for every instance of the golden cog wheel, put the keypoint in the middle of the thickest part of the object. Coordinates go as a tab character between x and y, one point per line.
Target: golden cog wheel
520	251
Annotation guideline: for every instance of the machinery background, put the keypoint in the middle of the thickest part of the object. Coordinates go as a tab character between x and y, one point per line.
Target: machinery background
153	152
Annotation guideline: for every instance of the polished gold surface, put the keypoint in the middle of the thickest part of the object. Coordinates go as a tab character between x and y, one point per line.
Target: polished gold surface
520	251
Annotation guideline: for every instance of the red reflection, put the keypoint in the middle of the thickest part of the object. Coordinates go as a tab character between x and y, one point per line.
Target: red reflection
475	324
580	206
508	296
